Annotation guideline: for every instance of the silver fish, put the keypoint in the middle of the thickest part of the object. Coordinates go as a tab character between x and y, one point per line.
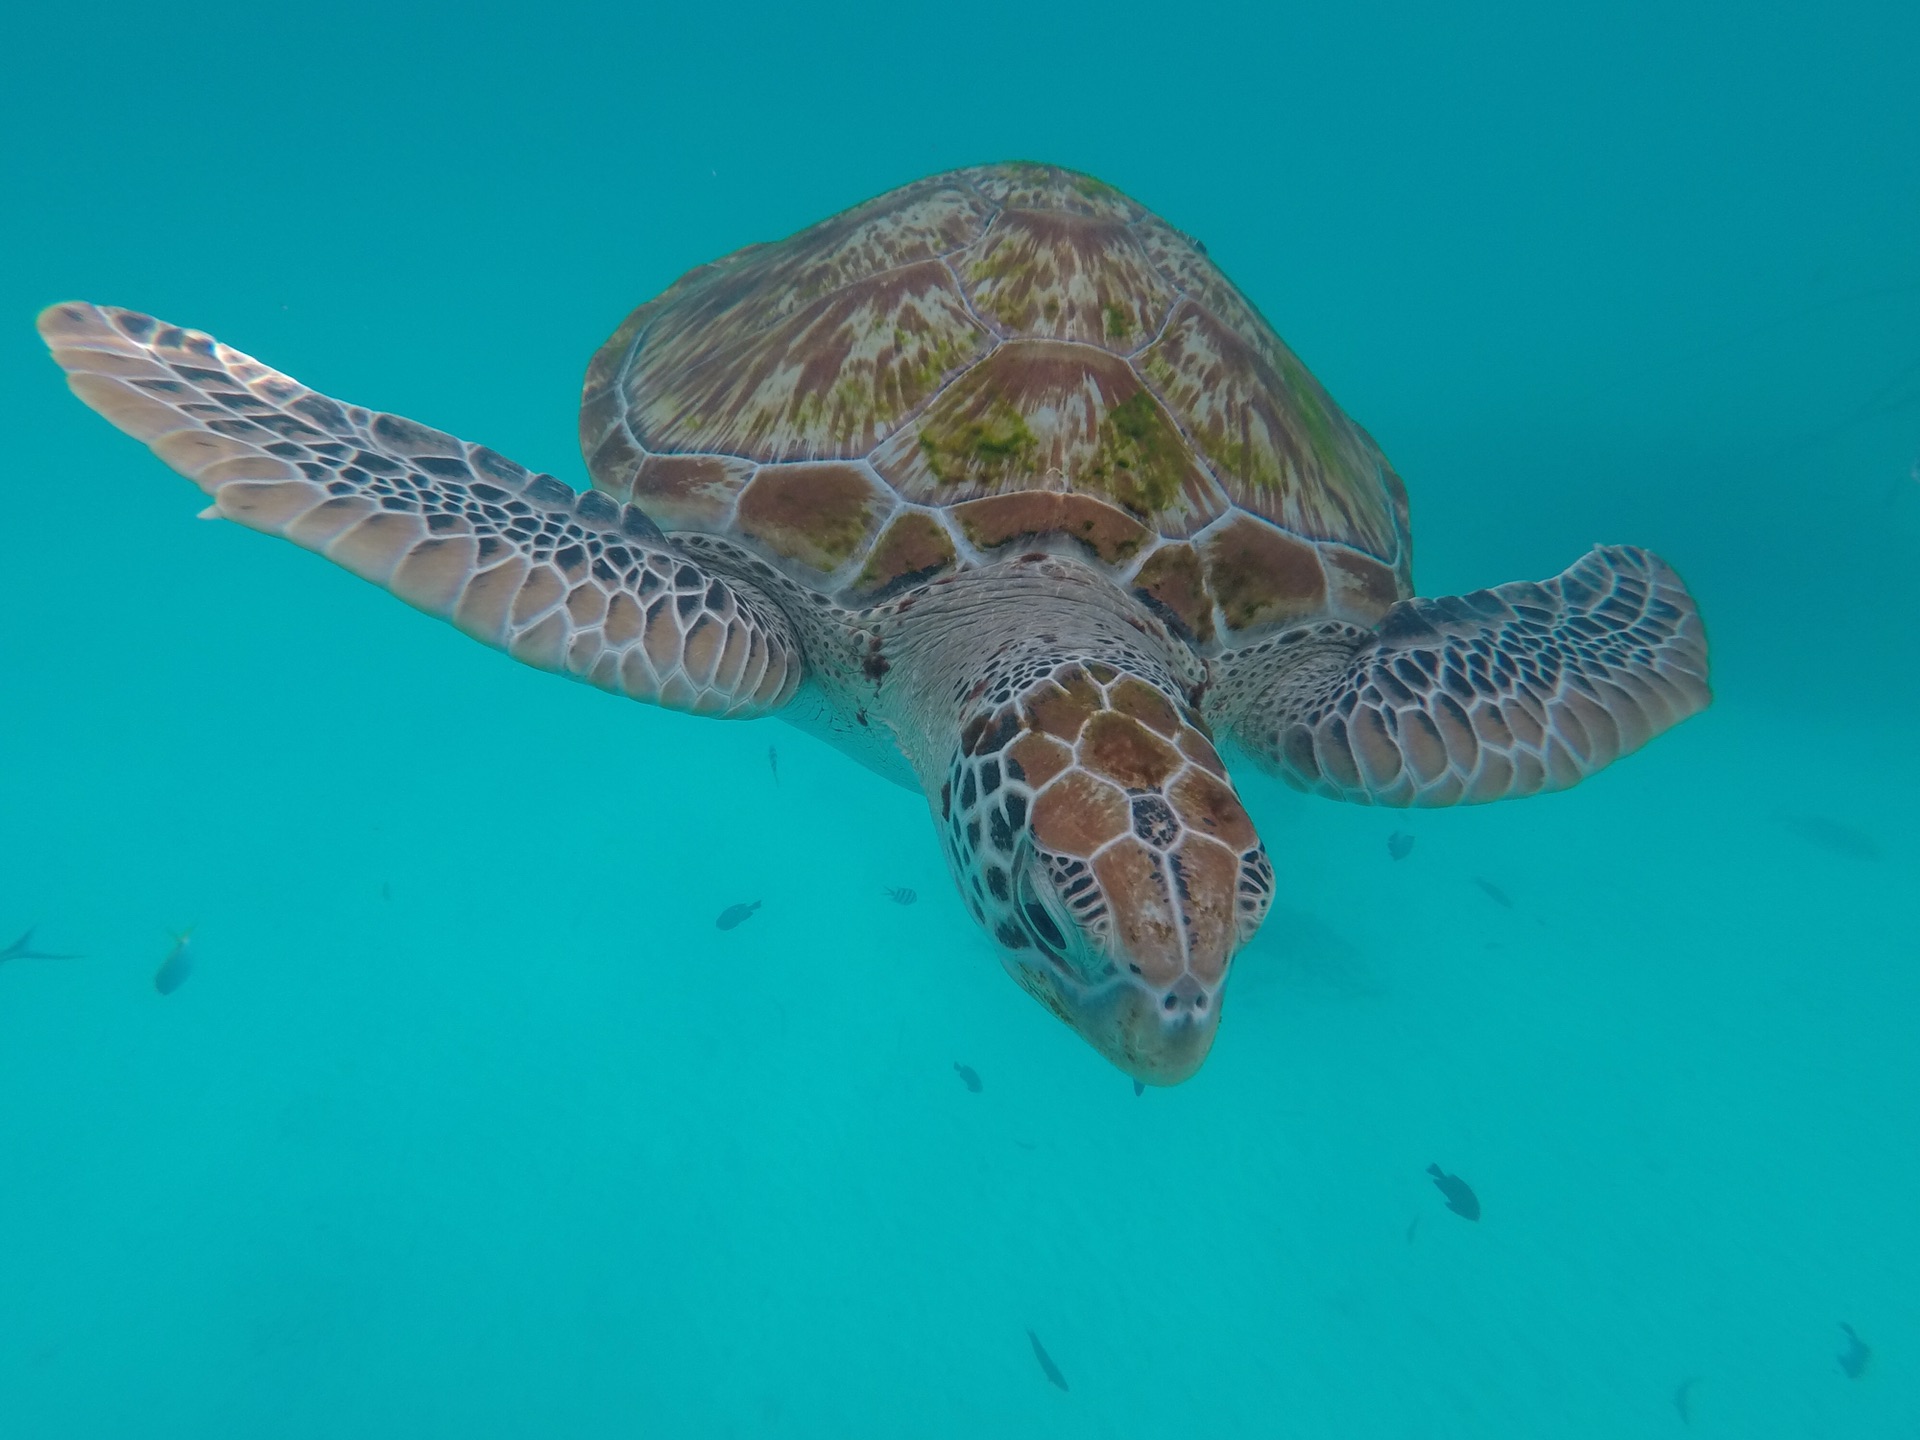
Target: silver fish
1493	892
735	914
1047	1367
1460	1197
1831	835
178	965
1683	1399
22	949
1857	1356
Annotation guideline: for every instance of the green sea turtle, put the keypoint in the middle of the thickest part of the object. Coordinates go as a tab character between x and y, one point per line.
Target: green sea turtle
999	485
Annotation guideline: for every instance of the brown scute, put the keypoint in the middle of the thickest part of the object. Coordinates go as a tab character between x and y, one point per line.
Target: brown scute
1261	576
1063	708
1206	877
688	492
757	286
830	380
1271	435
1359	588
1001	519
1199	749
1208	805
612	458
1173	583
1039	758
1135	697
1133	879
915	547
818	514
1057	275
1077	814
1050	414
1026	185
1124	751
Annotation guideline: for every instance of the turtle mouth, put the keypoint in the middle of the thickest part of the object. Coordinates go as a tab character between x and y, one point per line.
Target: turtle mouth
1159	1038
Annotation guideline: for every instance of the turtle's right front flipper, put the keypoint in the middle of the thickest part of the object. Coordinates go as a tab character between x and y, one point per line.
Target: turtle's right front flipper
577	584
1505	692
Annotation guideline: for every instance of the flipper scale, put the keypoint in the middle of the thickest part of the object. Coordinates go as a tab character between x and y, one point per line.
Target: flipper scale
514	559
1523	688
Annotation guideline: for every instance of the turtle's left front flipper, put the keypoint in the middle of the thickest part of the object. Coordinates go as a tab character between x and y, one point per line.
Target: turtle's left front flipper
1501	693
578	584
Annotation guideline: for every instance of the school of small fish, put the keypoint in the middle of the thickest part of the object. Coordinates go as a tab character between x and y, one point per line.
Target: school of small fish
1853	1359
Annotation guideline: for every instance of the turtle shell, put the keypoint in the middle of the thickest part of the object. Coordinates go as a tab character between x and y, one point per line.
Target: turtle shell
995	360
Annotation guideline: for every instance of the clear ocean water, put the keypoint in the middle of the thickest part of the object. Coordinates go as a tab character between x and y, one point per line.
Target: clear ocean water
468	1122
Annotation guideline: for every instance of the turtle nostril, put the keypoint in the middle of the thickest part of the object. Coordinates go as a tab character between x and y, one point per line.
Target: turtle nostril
1186	994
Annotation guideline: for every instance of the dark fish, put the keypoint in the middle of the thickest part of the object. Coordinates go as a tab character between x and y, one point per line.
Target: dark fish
1683	1399
1399	844
1493	892
1047	1367
175	969
1856	1357
1413	1229
1460	1197
735	914
902	896
969	1077
773	763
22	949
1139	1089
1831	835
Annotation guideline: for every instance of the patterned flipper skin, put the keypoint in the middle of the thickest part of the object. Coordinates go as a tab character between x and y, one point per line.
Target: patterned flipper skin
577	584
1506	692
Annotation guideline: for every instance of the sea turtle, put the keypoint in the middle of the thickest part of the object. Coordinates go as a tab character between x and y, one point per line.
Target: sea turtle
999	485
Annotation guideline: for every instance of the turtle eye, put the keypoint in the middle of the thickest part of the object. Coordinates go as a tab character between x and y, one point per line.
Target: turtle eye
1049	916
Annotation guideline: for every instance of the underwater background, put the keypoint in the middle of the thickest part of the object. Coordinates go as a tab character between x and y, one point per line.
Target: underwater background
468	1121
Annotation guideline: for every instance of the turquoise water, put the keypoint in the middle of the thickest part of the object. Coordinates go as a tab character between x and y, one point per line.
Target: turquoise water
468	1122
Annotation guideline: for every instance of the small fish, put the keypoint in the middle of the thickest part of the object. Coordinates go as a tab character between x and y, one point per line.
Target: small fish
773	763
1139	1089
735	914
902	896
1493	892
386	890
1831	835
1683	1399
22	949
1413	1229
969	1077
1856	1357
1399	844
1047	1367
1460	1197
178	965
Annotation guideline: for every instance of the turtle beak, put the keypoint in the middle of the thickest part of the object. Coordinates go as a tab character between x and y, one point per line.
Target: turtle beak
1154	1042
1155	940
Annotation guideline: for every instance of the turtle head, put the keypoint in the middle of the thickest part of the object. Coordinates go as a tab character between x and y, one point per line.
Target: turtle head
1095	834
